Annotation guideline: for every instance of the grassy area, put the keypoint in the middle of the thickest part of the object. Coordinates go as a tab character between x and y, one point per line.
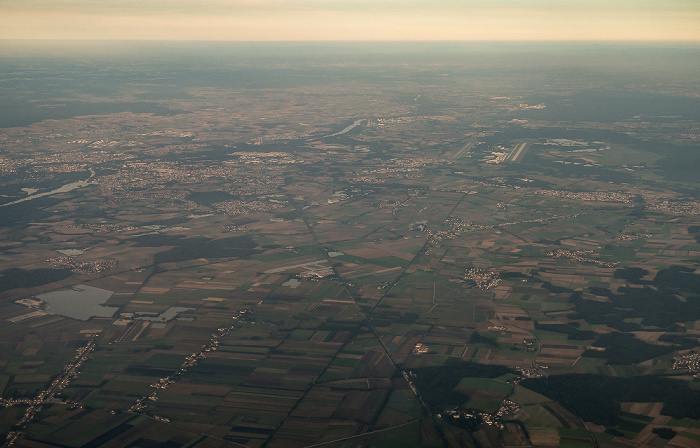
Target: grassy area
525	396
484	384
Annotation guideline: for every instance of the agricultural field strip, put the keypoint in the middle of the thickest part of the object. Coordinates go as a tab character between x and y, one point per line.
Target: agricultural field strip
366	315
317	264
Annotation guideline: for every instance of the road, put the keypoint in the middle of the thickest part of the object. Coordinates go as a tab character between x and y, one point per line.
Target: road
49	394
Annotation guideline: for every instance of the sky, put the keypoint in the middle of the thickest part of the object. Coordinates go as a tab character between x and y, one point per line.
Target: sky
352	20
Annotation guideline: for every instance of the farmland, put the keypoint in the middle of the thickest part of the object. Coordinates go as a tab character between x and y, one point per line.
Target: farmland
361	256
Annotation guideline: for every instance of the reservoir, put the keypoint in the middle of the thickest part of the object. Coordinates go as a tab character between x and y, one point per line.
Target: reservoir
79	302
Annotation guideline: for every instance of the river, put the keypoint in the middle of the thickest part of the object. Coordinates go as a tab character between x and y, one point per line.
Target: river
347	129
64	189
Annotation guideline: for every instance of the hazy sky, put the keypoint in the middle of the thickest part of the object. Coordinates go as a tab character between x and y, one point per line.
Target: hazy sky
260	20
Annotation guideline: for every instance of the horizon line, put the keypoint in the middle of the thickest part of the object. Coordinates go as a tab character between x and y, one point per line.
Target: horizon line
318	41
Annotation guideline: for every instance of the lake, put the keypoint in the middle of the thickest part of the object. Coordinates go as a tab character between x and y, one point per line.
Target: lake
79	302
